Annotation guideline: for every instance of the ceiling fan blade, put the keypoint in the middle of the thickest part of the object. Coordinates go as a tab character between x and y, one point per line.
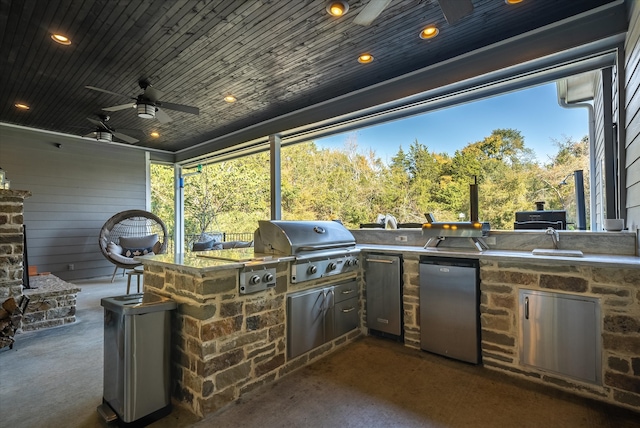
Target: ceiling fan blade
152	93
455	10
98	123
120	107
125	137
371	12
178	107
106	92
162	116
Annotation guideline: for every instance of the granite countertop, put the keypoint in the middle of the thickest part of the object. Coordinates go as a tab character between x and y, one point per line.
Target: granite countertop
601	260
208	261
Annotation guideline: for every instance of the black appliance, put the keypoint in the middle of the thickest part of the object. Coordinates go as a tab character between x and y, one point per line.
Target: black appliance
541	218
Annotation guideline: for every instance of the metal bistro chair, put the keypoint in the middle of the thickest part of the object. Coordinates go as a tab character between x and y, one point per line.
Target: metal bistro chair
132	233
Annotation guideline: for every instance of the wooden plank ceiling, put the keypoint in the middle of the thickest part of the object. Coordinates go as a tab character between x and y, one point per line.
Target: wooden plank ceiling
274	56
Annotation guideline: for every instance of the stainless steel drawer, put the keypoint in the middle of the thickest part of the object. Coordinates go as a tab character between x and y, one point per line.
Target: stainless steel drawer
345	291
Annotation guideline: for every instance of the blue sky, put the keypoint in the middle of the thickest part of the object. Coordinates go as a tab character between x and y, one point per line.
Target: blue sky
534	112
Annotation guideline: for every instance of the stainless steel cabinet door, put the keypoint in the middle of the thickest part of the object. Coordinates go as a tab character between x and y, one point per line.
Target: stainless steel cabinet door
561	333
306	321
383	282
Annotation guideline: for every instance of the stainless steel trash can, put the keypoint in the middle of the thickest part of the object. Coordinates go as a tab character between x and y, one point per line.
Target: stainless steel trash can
137	333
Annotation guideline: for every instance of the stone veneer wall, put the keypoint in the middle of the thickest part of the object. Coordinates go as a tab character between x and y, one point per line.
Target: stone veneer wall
619	292
11	243
411	301
226	344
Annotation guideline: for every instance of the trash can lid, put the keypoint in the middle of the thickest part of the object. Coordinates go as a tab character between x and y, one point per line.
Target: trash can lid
140	303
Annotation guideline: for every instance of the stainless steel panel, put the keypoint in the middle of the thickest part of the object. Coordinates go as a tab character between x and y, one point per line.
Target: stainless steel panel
305	321
449	311
561	333
345	317
256	279
307	269
383	282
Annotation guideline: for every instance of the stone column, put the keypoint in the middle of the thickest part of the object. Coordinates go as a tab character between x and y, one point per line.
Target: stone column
11	243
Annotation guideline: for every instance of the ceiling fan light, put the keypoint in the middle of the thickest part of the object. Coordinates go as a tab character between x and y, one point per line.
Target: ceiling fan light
104	136
429	32
146	111
337	8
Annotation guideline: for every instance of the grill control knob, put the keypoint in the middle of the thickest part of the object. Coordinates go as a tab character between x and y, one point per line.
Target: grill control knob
255	279
355	262
312	269
268	277
348	263
333	266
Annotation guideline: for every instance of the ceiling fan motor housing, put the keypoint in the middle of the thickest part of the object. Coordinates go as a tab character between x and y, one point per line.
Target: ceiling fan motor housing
104	136
146	110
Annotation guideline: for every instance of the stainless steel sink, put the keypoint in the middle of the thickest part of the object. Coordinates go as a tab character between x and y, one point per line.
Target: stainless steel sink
557	253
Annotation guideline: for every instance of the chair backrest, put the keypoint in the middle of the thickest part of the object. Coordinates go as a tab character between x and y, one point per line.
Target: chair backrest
132	224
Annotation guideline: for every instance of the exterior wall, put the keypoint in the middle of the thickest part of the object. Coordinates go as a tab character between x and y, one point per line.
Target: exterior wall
632	123
619	296
75	189
598	176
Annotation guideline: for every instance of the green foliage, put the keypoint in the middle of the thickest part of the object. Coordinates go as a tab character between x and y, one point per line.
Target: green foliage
355	187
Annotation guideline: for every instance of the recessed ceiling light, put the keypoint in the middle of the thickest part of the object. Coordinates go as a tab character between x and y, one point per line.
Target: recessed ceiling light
62	39
230	99
22	106
337	8
365	58
512	1
429	32
154	134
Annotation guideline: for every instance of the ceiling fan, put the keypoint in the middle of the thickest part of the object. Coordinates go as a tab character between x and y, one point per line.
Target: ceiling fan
453	10
106	133
148	103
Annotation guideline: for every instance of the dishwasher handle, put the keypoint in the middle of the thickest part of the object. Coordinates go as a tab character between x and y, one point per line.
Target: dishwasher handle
526	308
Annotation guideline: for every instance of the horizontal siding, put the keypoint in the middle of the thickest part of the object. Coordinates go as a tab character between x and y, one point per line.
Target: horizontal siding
75	189
632	92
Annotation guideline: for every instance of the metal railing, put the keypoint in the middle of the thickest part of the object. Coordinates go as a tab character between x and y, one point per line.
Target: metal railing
224	236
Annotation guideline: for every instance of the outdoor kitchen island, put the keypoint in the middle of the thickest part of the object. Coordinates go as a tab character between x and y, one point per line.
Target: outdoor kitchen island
224	343
229	330
227	344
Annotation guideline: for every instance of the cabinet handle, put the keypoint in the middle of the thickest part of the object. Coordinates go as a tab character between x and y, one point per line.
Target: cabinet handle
347	291
526	308
389	262
344	311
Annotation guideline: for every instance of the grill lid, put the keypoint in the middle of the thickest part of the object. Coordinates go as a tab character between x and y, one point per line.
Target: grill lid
301	237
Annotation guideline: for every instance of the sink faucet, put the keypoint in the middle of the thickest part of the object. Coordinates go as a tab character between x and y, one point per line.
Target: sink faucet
555	236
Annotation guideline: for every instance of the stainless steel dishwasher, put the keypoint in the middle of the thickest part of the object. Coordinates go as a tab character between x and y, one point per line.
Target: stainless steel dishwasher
449	307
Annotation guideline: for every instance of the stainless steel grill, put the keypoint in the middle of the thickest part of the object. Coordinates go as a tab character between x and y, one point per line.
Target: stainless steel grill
320	248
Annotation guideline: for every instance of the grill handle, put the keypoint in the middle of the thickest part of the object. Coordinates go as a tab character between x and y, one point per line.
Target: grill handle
322	247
